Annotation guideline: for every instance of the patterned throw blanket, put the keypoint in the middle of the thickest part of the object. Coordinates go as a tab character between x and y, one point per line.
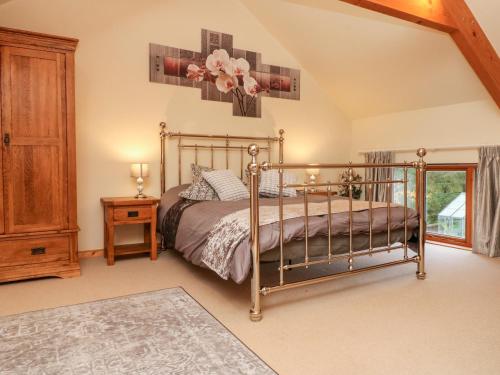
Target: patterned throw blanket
171	220
228	233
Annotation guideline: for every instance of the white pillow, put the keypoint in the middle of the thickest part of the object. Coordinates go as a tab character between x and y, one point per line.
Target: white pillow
227	186
269	184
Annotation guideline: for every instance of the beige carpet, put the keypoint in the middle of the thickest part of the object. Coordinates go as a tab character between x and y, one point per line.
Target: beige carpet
385	322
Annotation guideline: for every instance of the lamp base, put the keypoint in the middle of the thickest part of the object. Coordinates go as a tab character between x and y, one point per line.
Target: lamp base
140	188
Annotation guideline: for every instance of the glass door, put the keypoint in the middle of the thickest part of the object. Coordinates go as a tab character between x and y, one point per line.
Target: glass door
449	189
449	203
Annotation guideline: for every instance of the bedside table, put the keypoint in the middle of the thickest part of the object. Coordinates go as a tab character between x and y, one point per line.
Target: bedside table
320	192
126	211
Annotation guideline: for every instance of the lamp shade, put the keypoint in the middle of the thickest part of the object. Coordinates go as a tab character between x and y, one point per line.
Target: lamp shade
312	171
139	170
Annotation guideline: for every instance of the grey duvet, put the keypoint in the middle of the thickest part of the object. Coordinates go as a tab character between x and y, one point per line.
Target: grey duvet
197	220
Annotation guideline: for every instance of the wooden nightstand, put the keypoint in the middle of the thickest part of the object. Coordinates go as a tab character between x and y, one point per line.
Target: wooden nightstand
125	211
320	192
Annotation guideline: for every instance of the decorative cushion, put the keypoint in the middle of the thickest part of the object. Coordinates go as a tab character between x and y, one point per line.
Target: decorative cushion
199	190
227	186
269	184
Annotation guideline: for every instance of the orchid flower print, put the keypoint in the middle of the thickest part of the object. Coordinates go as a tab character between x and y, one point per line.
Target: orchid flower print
229	75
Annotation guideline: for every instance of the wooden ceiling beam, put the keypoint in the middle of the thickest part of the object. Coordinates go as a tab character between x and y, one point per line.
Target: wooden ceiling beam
475	46
455	18
430	13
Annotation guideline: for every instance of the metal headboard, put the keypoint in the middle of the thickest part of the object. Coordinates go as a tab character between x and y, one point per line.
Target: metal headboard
224	143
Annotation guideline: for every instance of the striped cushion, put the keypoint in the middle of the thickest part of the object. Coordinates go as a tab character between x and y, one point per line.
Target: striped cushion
269	184
199	190
227	186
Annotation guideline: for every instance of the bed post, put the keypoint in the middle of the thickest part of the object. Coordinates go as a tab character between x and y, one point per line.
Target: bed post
253	169
281	140
163	134
421	176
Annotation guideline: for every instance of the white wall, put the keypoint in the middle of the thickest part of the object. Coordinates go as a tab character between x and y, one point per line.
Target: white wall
475	123
118	109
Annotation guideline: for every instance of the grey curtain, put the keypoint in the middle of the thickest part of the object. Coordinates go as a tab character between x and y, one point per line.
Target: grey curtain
487	203
378	174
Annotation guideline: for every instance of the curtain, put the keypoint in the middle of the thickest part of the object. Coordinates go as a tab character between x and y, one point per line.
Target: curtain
487	203
378	174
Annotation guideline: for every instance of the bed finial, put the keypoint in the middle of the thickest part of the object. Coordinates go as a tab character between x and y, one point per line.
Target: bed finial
281	141
253	150
421	152
163	129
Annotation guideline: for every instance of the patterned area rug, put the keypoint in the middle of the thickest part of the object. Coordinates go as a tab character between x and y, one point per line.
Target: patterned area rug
162	332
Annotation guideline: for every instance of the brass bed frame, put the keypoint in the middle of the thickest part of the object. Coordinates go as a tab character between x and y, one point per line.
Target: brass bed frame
254	168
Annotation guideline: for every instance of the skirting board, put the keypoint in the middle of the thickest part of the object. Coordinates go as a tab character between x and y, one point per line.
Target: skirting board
90	253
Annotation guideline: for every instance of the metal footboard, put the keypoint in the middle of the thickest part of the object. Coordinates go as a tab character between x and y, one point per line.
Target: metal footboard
254	169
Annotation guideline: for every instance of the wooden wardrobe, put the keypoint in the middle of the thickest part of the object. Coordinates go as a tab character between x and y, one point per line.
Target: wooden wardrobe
38	228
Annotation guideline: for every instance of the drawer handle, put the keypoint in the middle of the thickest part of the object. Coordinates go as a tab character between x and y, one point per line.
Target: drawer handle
133	214
38	251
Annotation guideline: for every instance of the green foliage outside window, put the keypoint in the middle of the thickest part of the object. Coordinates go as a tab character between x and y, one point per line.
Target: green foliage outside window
442	188
398	189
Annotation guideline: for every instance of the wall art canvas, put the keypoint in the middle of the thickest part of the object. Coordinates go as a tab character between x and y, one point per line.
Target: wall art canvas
224	73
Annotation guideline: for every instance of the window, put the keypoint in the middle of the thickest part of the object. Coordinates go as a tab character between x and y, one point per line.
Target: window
448	201
399	189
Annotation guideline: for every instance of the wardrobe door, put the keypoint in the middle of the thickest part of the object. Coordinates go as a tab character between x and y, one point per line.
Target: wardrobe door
34	140
2	228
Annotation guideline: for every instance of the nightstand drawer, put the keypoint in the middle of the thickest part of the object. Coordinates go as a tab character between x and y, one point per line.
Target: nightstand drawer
134	213
36	250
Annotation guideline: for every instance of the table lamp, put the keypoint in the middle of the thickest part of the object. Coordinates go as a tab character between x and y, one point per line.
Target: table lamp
312	174
139	171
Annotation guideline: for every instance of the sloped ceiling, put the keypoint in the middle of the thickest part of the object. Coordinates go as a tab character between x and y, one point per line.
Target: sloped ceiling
369	63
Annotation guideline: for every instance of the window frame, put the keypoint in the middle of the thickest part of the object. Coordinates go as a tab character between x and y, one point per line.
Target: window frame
470	171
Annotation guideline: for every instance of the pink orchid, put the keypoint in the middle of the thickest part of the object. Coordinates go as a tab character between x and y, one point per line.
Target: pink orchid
195	73
218	61
240	66
226	83
251	86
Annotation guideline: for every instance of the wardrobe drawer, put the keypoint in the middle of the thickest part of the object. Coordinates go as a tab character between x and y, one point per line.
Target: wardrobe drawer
35	250
132	213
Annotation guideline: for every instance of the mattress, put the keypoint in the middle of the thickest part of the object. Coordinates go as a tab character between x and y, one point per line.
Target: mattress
188	225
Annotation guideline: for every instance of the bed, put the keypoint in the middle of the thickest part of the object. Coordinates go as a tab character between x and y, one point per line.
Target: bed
294	232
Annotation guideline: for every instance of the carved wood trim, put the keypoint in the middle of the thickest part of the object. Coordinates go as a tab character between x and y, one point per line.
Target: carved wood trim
24	38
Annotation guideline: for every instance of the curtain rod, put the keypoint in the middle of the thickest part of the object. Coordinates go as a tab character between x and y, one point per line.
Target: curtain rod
430	149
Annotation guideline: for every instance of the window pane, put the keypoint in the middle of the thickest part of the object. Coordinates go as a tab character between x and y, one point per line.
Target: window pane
398	189
446	203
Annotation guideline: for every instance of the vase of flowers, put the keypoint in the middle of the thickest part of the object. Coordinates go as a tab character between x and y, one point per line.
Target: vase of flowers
356	189
229	75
